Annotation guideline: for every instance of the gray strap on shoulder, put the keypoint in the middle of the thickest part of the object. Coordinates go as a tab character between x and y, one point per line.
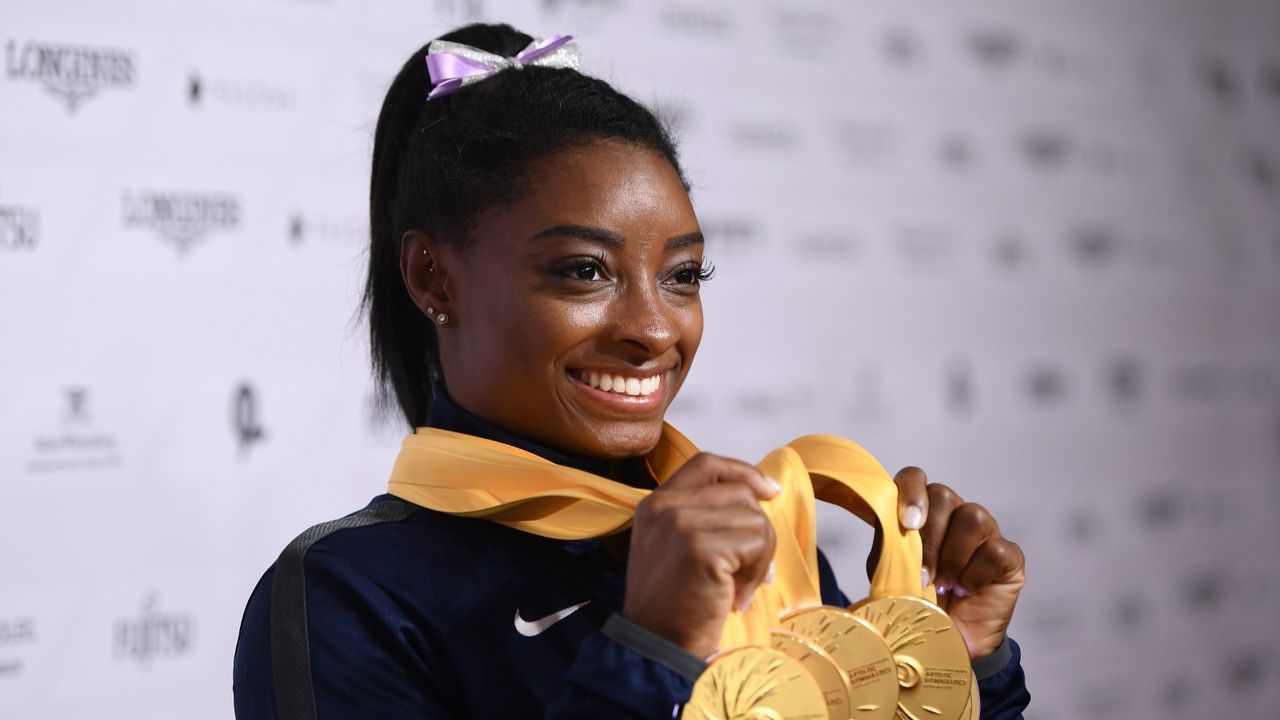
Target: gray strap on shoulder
290	648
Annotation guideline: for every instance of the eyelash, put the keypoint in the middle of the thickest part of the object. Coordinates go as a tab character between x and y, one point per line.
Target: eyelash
702	273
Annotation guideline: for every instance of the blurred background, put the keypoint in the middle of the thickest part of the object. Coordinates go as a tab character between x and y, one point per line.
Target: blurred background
1033	247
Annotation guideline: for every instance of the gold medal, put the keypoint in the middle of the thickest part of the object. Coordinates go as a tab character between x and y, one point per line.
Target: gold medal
861	654
934	675
973	708
755	683
829	676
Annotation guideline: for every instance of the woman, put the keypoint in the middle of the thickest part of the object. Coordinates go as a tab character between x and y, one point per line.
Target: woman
533	290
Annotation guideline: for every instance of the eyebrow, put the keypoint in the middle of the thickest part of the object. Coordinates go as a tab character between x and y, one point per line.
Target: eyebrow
595	234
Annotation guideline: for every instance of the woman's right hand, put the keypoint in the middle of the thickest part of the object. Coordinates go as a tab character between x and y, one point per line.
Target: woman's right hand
700	546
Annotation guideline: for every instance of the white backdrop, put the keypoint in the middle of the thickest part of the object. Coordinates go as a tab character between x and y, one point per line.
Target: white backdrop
1033	247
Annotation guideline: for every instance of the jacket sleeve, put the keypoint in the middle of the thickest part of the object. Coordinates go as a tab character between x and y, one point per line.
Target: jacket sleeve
1002	686
624	671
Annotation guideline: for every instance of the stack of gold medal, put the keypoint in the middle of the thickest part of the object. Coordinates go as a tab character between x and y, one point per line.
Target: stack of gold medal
895	654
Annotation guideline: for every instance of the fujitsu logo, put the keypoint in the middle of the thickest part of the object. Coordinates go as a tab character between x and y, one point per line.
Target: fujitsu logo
153	634
72	73
182	218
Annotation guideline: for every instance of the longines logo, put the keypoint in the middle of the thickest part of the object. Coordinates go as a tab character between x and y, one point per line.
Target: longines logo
182	218
15	634
153	635
78	445
19	228
71	73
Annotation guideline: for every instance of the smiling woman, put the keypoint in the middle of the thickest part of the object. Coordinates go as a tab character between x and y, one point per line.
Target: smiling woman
549	547
591	273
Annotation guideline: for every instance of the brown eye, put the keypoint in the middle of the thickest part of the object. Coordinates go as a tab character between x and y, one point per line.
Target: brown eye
586	272
688	276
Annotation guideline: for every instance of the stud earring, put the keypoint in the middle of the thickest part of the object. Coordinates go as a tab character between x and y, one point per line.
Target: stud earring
431	311
442	318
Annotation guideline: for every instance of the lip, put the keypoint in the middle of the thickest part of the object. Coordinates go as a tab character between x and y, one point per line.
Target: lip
618	401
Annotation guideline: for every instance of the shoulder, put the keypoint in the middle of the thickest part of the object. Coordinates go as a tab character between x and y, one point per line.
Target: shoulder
348	596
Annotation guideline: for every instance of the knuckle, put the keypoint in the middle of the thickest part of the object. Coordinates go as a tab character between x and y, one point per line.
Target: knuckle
940	494
975	514
999	553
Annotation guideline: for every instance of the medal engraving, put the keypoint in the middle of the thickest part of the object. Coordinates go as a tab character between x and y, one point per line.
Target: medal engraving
754	683
859	650
932	660
829	676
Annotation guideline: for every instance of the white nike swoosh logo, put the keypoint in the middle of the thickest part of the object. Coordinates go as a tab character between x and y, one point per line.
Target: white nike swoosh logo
529	628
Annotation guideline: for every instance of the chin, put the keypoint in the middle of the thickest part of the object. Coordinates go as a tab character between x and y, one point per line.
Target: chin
629	440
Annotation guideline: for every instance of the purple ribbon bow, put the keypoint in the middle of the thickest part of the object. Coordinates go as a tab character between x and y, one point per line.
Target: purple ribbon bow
453	66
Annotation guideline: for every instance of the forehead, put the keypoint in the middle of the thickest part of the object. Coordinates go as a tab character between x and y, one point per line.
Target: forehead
617	186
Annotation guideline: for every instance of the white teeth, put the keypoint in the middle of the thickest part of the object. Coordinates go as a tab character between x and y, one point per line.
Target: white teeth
623	385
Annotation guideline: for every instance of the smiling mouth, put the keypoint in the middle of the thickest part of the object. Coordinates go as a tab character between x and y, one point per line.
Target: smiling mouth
616	384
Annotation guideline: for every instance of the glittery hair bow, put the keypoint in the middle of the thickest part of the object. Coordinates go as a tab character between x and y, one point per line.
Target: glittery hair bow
454	66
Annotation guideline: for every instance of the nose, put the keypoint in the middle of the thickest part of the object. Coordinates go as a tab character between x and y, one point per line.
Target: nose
643	321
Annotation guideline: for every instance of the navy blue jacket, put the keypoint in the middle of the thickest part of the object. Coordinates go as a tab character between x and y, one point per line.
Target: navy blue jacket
397	611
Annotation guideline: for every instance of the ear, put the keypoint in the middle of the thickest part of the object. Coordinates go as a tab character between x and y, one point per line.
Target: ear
425	272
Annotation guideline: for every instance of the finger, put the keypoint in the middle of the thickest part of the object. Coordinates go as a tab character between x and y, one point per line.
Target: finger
942	501
709	469
913	498
728	495
970	526
996	560
757	547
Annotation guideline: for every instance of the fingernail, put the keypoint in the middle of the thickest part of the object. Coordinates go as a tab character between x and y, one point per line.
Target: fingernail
959	591
912	517
942	589
769	577
924	578
747	604
777	486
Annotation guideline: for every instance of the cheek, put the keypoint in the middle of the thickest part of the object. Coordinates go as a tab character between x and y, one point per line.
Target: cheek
545	331
690	332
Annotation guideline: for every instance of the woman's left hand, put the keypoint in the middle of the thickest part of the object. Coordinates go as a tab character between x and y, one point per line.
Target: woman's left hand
977	572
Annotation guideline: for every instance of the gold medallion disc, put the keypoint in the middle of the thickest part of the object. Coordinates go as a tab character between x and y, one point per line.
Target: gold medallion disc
830	678
755	683
934	674
973	708
859	651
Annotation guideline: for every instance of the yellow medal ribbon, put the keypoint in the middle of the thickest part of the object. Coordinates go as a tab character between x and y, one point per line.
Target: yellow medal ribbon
469	476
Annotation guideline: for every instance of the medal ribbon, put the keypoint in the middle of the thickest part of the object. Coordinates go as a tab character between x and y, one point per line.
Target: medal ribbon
469	476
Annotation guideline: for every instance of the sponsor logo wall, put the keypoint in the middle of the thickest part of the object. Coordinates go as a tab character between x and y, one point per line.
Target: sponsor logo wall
1031	247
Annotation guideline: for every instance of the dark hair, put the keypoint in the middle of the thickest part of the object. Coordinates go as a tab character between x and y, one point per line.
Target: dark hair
438	164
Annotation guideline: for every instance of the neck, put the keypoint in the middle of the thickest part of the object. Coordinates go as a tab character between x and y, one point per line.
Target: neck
447	414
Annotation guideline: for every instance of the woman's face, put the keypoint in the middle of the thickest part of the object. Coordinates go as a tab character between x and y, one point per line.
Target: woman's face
574	311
